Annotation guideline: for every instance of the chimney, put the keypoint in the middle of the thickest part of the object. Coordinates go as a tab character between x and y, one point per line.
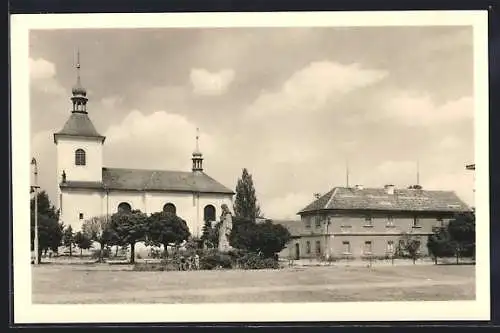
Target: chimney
317	195
358	187
389	189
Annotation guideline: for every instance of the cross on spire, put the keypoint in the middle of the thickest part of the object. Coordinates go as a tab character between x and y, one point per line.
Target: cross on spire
197	139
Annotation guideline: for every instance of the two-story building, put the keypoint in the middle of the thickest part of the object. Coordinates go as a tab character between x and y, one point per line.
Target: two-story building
356	221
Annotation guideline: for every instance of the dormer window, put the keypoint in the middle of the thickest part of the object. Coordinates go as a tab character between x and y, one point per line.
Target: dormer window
80	157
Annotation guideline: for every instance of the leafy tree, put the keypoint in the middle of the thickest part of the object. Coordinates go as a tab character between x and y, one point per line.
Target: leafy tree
410	245
462	231
129	228
265	238
439	244
82	241
164	228
245	205
49	230
210	234
97	229
68	239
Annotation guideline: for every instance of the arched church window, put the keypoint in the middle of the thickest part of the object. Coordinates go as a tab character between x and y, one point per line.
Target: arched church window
170	208
80	157
209	213
124	207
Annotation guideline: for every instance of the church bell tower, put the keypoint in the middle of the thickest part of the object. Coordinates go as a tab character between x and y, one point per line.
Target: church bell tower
79	145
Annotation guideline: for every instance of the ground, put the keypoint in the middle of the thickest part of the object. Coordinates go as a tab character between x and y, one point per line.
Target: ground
108	284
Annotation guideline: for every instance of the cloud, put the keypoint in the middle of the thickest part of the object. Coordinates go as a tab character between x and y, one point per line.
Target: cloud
449	142
44	150
43	77
211	84
160	140
418	109
286	206
462	182
397	172
312	87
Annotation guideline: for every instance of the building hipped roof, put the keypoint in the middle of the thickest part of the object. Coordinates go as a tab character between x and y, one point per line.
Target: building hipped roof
79	124
153	180
418	200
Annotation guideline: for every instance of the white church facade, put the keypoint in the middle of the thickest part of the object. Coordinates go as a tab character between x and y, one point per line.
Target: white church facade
88	189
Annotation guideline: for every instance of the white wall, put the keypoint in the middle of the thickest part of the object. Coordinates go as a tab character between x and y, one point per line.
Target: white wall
74	202
66	148
94	203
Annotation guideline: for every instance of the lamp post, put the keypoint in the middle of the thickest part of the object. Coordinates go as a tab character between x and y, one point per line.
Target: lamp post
35	187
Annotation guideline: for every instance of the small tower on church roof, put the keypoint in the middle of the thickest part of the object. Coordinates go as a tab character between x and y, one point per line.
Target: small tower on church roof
197	155
79	97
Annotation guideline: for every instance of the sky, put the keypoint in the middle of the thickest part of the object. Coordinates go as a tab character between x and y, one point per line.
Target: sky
292	105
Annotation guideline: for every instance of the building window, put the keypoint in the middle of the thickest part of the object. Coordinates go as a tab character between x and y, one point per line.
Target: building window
317	221
368	221
308	247
390	246
416	222
347	247
308	222
80	157
80	216
440	222
368	247
209	213
318	247
170	208
390	221
124	207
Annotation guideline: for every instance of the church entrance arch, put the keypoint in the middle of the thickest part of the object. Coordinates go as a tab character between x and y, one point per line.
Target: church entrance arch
124	207
209	213
170	208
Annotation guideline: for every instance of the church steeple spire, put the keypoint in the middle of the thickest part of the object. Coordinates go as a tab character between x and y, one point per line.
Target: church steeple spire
197	156
79	97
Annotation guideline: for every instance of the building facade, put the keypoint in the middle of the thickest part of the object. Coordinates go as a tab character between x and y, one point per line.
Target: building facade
369	222
88	189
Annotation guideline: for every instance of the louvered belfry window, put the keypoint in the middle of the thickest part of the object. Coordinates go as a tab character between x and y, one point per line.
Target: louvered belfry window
80	157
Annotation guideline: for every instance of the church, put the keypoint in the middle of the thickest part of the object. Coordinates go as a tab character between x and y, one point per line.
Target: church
87	188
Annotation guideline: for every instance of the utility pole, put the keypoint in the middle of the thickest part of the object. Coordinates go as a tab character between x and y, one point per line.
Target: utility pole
35	187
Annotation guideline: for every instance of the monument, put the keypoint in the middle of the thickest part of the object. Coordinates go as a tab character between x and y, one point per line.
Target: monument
225	229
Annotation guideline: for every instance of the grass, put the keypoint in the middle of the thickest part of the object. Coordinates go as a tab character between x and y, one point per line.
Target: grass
102	284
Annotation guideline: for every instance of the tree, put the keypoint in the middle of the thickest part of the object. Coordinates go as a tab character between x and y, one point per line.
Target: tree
462	231
49	229
68	239
97	229
129	228
82	241
439	244
410	245
265	238
210	234
245	205
164	228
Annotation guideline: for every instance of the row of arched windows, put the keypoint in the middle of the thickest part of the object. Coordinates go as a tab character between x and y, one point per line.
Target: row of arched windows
208	211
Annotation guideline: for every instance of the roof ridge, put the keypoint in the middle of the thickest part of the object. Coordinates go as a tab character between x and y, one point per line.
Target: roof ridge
334	191
149	170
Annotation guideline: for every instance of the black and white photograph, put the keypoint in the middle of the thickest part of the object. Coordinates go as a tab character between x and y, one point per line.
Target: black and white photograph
264	166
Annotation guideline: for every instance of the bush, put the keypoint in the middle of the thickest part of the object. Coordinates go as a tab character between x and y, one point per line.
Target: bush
96	254
251	260
213	260
163	265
